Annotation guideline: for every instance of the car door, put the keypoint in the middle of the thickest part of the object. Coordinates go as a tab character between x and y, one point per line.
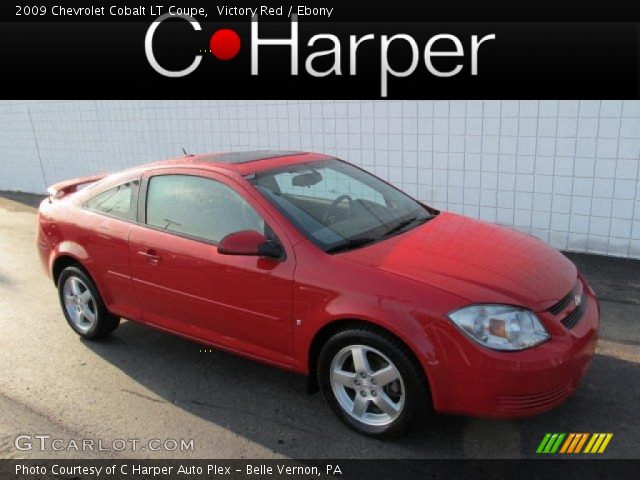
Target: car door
184	285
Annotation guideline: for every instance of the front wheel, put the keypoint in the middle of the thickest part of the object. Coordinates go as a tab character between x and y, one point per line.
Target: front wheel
82	305
372	382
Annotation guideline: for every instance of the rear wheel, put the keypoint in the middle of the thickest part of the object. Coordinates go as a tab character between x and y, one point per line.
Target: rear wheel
372	382
82	305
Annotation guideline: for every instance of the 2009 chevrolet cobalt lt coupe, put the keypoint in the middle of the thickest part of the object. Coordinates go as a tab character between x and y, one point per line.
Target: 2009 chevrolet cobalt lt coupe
311	264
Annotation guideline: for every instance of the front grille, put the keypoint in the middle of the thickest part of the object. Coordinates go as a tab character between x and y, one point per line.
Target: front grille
562	304
570	320
576	314
534	401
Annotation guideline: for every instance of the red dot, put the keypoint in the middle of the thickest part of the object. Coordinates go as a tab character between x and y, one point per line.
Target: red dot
224	44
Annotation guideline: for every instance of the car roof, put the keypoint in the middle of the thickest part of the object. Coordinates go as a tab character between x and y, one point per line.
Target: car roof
240	163
246	157
243	163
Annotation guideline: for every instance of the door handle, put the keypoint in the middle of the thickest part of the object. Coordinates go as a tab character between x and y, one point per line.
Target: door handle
152	257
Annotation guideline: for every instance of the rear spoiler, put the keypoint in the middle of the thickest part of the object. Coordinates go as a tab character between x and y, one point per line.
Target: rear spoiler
66	187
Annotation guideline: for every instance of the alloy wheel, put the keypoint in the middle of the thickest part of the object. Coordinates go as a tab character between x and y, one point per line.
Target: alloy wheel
367	385
79	304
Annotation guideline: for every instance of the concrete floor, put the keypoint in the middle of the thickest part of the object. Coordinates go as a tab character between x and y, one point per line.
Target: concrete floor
144	384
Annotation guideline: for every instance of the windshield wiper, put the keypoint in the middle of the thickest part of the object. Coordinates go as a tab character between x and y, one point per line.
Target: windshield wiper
405	223
349	244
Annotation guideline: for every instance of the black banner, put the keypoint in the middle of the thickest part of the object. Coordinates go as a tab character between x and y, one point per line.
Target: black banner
320	50
324	469
523	60
314	10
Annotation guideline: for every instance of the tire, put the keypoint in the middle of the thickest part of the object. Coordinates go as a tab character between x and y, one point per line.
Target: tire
82	305
391	384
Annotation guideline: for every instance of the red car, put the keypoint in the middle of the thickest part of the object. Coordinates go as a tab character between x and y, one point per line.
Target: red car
311	264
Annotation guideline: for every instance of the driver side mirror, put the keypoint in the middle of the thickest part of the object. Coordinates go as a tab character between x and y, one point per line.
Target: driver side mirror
251	243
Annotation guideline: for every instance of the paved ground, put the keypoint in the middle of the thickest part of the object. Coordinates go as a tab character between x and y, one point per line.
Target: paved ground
143	384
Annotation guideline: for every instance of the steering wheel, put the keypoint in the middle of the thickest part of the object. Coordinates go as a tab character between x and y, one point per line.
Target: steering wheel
330	215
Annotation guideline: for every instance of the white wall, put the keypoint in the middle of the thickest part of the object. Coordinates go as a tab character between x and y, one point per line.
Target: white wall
564	171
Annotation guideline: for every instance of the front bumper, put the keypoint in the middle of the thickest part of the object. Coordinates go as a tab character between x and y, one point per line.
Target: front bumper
477	381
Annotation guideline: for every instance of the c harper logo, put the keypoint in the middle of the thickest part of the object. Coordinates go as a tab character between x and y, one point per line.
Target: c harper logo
443	55
573	443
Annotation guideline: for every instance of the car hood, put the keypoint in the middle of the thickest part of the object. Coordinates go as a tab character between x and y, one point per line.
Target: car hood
478	261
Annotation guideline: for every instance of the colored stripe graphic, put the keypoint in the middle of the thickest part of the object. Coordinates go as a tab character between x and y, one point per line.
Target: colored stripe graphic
581	443
605	443
543	443
598	443
573	443
594	437
550	443
567	442
556	445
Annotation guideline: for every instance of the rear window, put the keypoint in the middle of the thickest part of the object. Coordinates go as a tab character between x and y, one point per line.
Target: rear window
117	202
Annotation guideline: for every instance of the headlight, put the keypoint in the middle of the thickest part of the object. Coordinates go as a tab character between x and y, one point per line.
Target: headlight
500	327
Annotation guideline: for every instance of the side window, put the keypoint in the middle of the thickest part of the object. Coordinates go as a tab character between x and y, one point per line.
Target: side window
198	207
119	201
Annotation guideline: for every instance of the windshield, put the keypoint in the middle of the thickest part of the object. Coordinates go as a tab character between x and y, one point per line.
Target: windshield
339	206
